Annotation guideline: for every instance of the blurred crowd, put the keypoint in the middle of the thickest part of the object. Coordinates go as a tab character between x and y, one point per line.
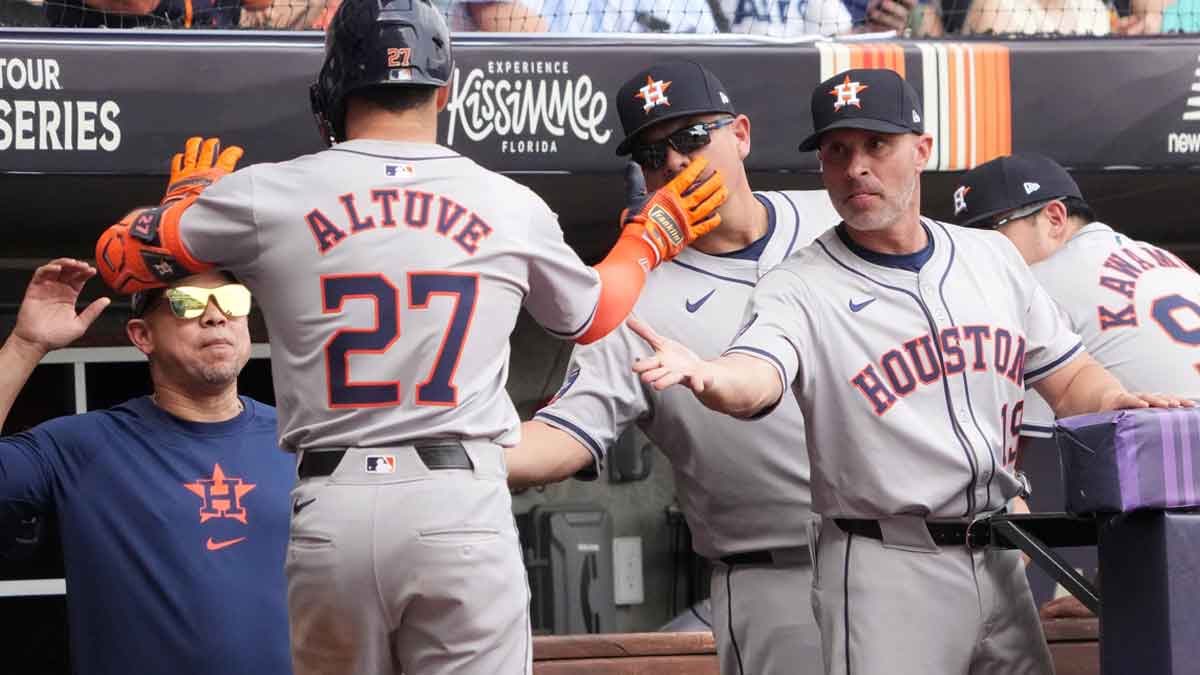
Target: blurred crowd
774	18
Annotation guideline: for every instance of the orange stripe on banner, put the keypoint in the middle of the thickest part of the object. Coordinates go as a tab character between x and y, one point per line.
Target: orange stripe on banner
897	53
977	107
1004	83
952	95
890	56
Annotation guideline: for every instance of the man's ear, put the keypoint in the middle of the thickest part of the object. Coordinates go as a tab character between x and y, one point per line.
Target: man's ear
1056	215
442	97
138	332
924	150
741	130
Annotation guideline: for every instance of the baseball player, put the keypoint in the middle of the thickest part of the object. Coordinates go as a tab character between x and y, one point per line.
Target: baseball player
748	509
1132	303
908	343
390	271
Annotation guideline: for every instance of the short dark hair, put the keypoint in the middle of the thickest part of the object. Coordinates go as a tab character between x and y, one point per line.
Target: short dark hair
1078	207
395	98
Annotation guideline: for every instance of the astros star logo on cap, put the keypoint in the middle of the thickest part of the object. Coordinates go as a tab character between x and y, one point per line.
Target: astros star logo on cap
847	93
654	94
960	199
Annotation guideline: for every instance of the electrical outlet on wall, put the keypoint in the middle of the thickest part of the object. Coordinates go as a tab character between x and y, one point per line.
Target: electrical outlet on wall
628	587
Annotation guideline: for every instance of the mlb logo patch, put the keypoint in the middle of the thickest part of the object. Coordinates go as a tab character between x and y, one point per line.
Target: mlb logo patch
398	169
381	464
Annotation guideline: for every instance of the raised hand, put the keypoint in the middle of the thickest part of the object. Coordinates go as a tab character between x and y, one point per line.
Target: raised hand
671	364
47	319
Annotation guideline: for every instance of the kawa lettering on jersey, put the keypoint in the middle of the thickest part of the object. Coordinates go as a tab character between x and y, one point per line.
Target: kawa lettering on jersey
391	208
1120	273
924	360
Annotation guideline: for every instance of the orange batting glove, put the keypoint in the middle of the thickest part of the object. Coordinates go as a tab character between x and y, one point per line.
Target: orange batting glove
199	165
677	213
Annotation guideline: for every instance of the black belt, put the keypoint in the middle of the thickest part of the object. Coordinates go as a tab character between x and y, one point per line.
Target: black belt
765	557
977	534
436	454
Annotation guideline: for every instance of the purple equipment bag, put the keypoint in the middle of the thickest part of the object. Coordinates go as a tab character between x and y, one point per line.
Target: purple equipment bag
1131	459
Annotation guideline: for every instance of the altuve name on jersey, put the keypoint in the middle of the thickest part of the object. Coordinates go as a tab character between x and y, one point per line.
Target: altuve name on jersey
393	208
1128	266
915	363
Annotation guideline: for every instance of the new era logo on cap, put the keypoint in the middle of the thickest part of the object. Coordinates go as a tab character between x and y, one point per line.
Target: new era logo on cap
1031	188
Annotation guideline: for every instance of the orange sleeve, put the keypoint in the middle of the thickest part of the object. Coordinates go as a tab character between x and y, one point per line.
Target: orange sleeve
622	276
173	242
145	250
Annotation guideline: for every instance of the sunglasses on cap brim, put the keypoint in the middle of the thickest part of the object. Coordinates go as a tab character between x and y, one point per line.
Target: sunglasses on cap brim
1023	212
189	302
686	140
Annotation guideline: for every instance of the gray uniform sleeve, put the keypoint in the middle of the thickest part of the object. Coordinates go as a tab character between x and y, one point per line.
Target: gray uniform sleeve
601	396
778	327
563	292
1037	419
1050	342
220	227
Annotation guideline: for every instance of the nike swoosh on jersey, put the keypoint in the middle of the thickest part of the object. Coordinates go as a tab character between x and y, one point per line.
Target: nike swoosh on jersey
299	506
693	306
858	306
218	545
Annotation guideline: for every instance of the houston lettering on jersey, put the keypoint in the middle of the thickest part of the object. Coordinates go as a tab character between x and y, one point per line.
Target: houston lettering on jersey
915	363
1120	273
392	208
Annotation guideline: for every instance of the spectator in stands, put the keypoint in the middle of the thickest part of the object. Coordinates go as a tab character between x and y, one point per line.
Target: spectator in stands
148	13
797	18
1038	17
503	16
174	507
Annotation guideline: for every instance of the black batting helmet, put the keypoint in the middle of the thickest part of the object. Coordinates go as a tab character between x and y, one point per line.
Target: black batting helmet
371	43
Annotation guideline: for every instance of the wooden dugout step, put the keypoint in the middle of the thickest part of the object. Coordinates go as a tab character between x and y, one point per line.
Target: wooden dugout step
1073	644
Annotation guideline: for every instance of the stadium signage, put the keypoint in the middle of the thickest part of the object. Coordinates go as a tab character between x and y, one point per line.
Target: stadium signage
33	116
529	107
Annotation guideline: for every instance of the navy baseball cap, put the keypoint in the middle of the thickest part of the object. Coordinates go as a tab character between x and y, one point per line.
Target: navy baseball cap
1027	181
666	91
875	99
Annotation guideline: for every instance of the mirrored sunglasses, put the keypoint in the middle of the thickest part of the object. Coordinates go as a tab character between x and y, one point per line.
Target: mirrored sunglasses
685	141
189	302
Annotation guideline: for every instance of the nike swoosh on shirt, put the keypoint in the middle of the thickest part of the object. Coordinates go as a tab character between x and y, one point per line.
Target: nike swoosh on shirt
857	306
218	545
299	505
693	306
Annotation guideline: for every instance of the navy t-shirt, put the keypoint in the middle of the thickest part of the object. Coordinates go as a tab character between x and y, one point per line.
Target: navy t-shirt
174	535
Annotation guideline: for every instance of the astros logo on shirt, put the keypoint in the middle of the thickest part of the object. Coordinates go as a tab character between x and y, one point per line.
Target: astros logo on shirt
221	495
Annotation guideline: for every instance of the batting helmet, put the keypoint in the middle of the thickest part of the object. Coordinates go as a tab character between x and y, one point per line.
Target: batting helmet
372	43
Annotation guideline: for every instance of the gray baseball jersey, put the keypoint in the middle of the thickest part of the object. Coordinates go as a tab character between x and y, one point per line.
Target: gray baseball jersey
910	381
742	485
1135	305
390	276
